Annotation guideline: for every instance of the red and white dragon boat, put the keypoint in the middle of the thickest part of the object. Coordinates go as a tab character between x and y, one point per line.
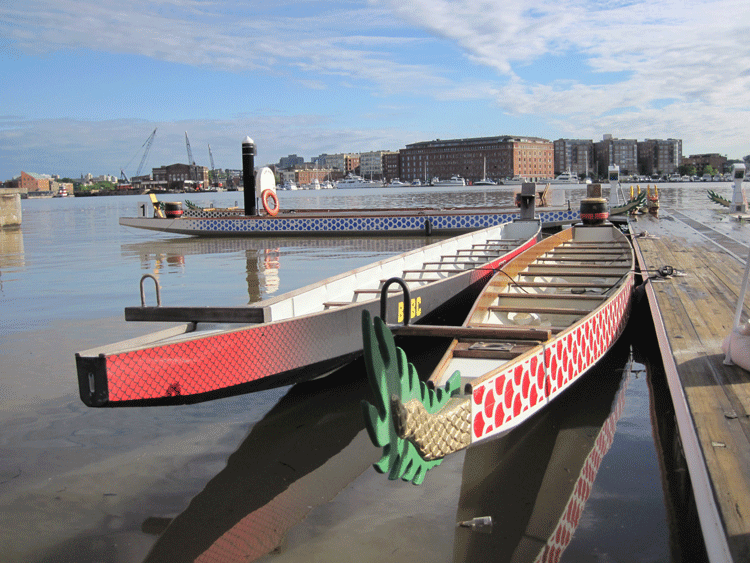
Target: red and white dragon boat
537	327
303	334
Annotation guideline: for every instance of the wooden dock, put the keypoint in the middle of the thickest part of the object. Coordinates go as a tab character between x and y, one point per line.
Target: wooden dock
693	312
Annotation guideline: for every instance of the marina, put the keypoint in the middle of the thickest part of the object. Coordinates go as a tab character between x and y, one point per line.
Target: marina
285	474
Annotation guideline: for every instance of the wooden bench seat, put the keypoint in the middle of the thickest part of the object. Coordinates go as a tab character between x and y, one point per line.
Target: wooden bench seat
539	310
495	332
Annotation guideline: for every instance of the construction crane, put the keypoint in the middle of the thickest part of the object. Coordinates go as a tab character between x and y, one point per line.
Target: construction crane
213	168
146	144
190	152
191	162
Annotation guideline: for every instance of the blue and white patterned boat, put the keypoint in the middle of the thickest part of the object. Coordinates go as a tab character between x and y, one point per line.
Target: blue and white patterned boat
390	222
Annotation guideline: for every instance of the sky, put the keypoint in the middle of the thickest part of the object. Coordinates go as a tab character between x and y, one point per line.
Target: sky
84	83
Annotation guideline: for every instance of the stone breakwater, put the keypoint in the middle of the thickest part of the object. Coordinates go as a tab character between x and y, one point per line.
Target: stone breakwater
10	208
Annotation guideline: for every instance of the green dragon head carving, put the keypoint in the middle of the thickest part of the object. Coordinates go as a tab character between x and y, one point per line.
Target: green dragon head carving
390	374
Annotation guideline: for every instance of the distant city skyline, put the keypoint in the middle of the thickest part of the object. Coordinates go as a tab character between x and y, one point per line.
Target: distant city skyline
85	83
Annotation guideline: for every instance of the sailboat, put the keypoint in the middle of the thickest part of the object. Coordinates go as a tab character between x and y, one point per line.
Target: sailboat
485	181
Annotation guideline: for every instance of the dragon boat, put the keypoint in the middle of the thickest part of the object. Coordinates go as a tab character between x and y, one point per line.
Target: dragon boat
537	327
716	198
300	335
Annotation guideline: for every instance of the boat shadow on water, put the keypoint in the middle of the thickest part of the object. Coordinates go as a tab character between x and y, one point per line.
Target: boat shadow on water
533	483
300	455
312	445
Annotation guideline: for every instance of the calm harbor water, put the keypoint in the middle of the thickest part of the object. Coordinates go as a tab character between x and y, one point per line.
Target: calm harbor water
233	480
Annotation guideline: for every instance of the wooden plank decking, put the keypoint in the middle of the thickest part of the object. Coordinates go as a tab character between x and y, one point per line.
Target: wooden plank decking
693	312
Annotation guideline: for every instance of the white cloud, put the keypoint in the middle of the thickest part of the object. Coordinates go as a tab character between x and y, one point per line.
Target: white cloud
636	69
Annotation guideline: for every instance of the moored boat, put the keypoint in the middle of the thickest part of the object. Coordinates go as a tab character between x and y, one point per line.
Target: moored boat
538	326
566	177
716	198
300	335
232	222
396	183
452	181
354	181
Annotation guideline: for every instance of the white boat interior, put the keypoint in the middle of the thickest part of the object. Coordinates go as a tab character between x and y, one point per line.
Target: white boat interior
419	267
552	292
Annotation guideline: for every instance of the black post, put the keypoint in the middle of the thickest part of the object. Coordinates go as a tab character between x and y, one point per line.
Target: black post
248	174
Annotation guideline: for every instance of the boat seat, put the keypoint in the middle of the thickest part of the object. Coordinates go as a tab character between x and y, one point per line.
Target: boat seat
332	304
495	332
434	270
471	252
574	251
455	263
558	267
563	285
491	350
555	296
486	245
378	291
558	273
576	259
420	280
539	310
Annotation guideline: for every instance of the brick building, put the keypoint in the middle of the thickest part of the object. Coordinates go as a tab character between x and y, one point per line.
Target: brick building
391	165
700	161
659	157
621	152
530	158
576	156
178	177
32	182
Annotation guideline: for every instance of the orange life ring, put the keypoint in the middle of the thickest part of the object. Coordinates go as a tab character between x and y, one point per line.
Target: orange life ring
265	196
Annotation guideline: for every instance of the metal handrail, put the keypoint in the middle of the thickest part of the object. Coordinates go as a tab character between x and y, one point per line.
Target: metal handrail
384	299
156	285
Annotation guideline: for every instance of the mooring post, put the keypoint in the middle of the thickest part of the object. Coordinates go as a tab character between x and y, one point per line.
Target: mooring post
739	201
614	183
248	174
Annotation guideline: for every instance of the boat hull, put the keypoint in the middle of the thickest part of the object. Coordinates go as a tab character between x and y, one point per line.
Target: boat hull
506	398
185	365
386	222
538	326
509	394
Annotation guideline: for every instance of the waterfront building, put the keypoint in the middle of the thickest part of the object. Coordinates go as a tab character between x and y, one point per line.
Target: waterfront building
575	156
371	165
700	161
529	158
621	152
32	182
175	177
659	157
391	165
346	163
288	162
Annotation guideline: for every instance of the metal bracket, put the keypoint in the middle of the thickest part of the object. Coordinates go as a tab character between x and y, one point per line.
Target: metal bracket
156	285
384	299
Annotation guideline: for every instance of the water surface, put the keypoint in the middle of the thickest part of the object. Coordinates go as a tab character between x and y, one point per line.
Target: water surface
288	470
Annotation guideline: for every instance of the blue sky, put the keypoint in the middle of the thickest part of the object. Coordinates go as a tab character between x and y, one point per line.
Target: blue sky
84	83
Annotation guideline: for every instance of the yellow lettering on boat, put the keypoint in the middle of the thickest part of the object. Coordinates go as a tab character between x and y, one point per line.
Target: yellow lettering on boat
415	309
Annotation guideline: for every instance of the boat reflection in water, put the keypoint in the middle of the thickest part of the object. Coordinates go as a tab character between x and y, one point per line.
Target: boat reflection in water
309	447
535	481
